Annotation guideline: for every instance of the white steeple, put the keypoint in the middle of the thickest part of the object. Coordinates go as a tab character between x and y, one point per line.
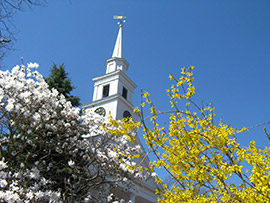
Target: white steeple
117	52
117	62
113	91
113	95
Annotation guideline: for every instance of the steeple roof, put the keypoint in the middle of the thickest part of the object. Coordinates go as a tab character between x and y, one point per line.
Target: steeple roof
118	49
117	62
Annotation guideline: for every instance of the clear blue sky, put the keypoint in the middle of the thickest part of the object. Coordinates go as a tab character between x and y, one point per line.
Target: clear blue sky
228	42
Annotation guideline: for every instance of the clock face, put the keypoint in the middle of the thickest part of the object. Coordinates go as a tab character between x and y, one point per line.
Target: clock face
101	111
126	114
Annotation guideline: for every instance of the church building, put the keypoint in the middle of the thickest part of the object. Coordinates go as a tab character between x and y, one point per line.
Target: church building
113	92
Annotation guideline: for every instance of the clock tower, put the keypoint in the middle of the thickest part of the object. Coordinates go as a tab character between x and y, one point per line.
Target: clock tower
113	91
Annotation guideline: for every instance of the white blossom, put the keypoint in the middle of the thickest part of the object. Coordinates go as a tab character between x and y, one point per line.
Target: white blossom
31	108
34	174
29	195
71	163
153	174
3	164
32	65
3	183
10	105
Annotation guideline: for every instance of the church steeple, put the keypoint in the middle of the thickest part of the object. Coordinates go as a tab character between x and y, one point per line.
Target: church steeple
117	52
113	95
113	91
117	62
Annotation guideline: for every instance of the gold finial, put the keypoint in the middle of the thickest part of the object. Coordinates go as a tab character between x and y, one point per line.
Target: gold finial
121	20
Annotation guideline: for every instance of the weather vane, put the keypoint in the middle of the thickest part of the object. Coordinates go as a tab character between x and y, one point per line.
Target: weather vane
121	19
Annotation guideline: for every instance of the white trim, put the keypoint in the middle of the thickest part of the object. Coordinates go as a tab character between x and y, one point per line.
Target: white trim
115	73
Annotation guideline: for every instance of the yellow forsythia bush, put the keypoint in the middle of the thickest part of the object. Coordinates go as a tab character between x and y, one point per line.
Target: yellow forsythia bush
204	159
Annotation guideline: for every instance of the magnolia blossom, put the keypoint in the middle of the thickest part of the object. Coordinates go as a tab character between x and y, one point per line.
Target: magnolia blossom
71	163
55	145
15	192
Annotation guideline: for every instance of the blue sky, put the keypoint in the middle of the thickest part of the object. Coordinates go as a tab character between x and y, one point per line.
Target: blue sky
227	42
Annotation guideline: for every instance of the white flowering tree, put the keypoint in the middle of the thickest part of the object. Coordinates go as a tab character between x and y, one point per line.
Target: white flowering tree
53	152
